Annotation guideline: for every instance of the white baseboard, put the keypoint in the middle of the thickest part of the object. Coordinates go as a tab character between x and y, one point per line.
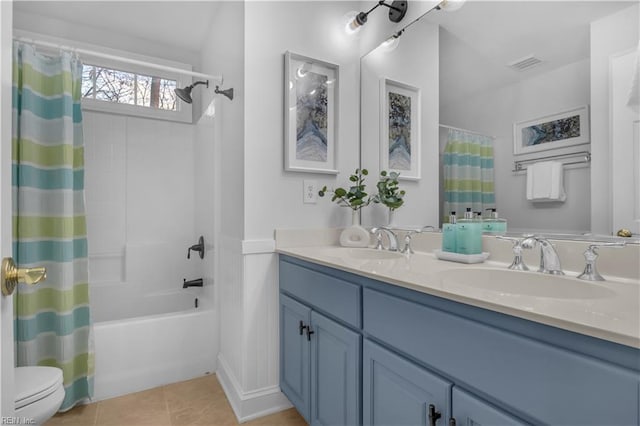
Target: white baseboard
249	405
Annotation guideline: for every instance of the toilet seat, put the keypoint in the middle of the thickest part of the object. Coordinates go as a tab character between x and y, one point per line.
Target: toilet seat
33	384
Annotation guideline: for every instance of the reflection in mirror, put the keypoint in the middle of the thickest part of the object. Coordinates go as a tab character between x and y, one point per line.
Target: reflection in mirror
560	74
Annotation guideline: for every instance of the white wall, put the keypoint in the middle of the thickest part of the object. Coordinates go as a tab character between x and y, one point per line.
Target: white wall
273	197
140	201
420	48
609	36
494	112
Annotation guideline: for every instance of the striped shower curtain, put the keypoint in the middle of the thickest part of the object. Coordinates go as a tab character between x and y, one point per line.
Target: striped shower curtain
468	173
53	322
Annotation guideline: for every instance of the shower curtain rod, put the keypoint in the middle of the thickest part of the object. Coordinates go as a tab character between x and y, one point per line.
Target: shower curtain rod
465	130
102	55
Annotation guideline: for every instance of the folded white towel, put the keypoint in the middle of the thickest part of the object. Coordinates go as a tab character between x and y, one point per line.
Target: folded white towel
545	182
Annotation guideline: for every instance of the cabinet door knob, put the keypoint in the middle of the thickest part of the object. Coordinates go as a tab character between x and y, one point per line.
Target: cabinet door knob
302	327
433	415
309	333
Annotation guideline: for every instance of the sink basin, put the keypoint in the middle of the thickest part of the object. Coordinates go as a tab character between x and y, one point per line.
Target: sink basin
361	253
508	282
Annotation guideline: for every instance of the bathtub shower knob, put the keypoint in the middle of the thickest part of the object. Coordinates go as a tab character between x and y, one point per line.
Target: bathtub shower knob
197	247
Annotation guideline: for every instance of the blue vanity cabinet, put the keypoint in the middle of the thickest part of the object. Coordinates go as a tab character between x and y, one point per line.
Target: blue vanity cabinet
398	392
469	410
295	354
335	373
381	354
320	345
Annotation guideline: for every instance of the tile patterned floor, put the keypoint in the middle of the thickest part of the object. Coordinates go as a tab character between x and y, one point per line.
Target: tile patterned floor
196	402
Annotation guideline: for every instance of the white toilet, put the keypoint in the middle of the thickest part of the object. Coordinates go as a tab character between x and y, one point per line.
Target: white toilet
39	392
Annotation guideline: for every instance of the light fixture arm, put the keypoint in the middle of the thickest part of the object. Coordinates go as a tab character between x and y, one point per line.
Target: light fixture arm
396	13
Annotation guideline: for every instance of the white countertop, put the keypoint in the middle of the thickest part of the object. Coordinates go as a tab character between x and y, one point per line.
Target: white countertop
614	316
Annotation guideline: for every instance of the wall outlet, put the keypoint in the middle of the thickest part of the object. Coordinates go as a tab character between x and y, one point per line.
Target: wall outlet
309	191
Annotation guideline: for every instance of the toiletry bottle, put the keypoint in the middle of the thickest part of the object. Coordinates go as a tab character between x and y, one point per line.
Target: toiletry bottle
494	225
449	234
469	234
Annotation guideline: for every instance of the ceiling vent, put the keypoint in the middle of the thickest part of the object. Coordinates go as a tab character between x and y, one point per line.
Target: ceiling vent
525	63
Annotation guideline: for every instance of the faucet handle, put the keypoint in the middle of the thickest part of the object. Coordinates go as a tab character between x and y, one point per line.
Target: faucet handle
590	272
518	263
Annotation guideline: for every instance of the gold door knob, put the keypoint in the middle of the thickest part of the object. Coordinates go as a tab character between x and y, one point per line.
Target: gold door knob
12	275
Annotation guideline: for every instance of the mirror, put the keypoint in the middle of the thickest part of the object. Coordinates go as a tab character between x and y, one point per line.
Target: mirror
463	65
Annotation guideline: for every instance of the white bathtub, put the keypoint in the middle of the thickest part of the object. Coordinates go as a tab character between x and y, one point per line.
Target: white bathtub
158	339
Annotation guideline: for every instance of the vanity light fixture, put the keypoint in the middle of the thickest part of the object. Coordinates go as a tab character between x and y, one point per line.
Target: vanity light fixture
392	42
397	10
450	5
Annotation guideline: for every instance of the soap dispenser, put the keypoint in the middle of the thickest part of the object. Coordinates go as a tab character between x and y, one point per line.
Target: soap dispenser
449	234
494	225
469	234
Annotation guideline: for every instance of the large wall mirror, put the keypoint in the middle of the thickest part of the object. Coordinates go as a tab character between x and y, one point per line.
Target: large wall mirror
491	67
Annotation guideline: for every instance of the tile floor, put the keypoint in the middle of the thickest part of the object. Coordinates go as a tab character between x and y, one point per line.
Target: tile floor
198	402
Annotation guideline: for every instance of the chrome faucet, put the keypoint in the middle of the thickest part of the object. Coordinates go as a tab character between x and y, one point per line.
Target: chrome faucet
518	263
590	272
393	239
549	259
406	249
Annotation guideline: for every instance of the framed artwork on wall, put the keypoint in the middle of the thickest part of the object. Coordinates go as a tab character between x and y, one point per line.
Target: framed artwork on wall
400	129
559	130
310	114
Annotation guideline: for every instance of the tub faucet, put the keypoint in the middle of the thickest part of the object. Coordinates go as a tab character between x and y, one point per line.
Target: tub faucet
199	247
549	259
193	283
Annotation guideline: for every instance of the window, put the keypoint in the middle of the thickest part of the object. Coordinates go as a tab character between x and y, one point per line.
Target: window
129	88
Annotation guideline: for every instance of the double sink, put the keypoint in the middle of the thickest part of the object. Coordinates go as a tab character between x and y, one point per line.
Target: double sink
457	276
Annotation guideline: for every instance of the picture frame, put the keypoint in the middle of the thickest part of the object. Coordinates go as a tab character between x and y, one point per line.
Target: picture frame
400	128
311	106
560	130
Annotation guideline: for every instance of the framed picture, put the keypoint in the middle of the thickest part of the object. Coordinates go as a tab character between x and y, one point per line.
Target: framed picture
560	130
310	114
400	129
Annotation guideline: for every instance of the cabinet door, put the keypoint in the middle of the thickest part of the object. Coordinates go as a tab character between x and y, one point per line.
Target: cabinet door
398	392
335	373
294	354
469	410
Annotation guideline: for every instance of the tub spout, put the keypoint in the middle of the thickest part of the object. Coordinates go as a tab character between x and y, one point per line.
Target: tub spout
193	283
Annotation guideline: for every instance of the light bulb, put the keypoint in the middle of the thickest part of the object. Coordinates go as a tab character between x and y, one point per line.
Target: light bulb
390	44
451	5
351	25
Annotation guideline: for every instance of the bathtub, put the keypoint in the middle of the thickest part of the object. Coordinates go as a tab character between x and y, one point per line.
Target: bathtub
151	341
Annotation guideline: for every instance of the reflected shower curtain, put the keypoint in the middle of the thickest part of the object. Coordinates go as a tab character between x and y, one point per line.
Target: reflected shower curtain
468	173
53	323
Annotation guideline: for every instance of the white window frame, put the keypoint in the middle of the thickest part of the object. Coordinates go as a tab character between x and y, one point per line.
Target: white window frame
184	111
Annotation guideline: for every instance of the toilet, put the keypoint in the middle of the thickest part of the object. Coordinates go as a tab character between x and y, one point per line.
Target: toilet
39	392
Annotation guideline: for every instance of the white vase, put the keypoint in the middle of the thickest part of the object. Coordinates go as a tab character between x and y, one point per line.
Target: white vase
355	235
392	217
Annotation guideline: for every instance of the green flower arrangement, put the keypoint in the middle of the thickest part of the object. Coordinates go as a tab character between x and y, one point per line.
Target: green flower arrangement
355	197
389	192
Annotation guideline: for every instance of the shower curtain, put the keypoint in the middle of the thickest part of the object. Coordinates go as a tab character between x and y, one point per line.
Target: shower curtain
468	173
53	322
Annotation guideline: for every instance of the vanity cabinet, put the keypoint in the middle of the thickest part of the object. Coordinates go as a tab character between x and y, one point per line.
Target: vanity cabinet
320	362
426	360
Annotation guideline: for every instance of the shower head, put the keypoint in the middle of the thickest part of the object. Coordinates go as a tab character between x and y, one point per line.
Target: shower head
228	92
185	94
